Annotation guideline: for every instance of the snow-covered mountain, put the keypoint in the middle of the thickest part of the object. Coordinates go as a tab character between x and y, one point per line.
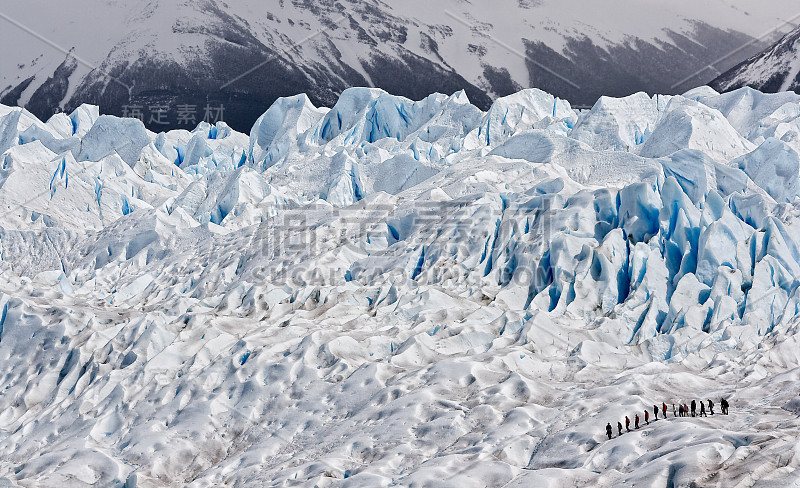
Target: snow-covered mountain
244	54
403	293
774	70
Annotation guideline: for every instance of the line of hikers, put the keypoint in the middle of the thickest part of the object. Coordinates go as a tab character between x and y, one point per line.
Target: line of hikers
682	411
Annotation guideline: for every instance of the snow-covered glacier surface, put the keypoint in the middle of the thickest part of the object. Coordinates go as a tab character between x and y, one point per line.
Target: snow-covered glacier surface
403	293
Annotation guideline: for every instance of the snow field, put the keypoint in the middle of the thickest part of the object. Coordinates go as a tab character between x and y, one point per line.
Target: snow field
400	293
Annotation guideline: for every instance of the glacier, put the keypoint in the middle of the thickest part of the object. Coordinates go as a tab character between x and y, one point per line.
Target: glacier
392	292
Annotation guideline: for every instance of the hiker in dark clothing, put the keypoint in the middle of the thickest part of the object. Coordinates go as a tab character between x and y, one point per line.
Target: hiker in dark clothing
647	417
664	408
680	410
694	407
723	404
627	423
609	431
655	413
711	406
636	421
703	410
619	428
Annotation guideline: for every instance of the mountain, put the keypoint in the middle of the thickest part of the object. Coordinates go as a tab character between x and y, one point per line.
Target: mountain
397	292
774	70
167	61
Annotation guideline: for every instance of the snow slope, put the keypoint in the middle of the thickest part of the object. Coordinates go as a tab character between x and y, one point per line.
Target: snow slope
776	69
245	54
401	293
